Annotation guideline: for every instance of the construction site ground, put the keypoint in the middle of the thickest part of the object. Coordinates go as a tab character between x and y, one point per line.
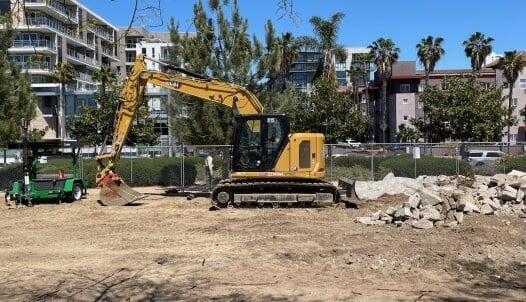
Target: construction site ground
173	249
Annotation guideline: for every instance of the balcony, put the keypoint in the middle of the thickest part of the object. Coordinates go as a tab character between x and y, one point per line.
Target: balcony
99	31
30	45
55	25
55	9
79	57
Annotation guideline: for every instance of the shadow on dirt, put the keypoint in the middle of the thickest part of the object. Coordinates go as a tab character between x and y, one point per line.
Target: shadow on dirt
126	285
486	281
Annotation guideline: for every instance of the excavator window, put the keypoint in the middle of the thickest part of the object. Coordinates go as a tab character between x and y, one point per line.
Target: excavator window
258	141
304	154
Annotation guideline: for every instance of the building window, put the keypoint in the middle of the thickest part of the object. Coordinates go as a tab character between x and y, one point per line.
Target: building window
421	87
363	99
522	83
405	87
514	103
144	50
405	101
420	105
406	117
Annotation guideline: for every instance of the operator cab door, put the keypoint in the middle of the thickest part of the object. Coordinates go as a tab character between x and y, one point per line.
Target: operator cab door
258	141
306	154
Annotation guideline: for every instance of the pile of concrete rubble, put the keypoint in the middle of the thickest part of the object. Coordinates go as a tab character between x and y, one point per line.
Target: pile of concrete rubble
435	201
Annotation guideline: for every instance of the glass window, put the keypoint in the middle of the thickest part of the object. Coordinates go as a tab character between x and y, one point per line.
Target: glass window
522	83
514	103
304	154
405	101
405	87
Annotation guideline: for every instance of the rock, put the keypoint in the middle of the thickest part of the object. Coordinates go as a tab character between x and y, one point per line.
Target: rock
368	221
486	209
508	193
403	213
376	215
430	213
463	200
429	197
498	180
459	216
414	201
422	224
443	180
390	211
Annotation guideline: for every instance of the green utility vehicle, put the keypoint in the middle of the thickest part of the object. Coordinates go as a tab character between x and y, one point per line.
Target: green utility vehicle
56	187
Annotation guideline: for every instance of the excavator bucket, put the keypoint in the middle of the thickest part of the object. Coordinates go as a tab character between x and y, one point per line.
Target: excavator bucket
118	193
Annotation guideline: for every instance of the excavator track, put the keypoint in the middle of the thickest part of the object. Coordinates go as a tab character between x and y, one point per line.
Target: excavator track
275	192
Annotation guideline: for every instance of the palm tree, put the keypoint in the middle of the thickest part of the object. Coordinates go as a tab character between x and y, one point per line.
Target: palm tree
385	54
477	48
354	74
511	65
429	52
63	74
327	34
105	76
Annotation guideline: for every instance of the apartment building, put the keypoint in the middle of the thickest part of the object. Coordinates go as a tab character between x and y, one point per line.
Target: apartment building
406	83
306	65
154	45
51	32
518	102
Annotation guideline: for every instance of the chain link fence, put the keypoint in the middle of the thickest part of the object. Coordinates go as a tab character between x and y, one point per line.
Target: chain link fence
367	154
372	153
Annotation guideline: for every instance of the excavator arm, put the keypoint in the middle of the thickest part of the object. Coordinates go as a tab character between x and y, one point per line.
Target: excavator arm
113	189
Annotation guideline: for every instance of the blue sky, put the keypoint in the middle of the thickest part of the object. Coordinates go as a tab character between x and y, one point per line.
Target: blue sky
406	22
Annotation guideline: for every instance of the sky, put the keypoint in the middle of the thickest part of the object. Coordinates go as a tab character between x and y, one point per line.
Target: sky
406	22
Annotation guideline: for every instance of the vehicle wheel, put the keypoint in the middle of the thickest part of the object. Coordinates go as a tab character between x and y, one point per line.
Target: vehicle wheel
76	193
223	199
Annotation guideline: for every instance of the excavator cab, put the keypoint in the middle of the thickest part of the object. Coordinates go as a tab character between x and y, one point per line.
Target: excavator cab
258	141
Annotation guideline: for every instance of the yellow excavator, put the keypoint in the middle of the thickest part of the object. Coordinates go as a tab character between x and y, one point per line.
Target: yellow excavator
270	165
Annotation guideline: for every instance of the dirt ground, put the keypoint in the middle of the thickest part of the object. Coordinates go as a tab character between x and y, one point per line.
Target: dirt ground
174	249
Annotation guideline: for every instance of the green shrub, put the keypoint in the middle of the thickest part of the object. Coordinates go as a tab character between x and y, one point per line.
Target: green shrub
135	172
407	166
510	163
359	167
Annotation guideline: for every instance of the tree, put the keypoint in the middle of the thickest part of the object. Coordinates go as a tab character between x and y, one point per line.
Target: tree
429	52
17	101
511	65
477	48
93	124
385	54
63	74
468	111
105	76
354	73
325	110
406	134
221	48
326	35
276	57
